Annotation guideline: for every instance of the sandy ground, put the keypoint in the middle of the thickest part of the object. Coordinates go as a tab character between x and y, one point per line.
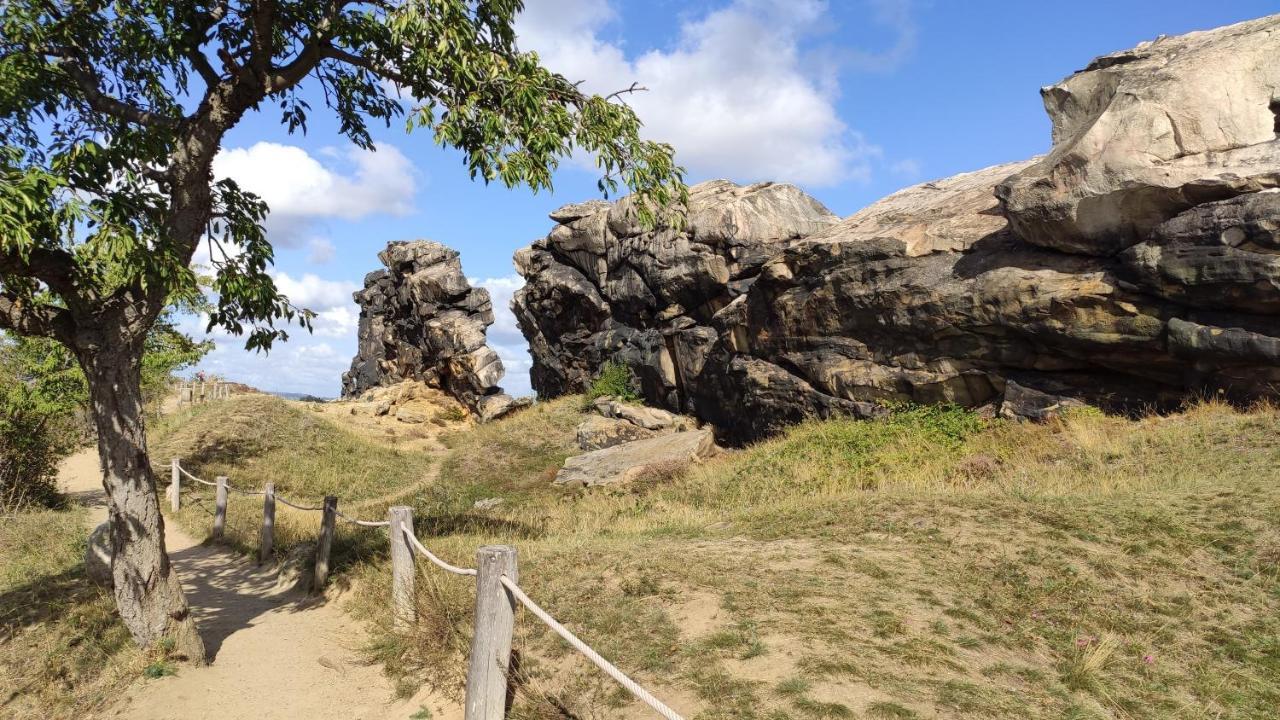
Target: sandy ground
274	653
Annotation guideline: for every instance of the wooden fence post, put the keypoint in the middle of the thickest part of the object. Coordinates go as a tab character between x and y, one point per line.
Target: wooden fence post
175	485
326	540
219	506
488	674
402	570
267	541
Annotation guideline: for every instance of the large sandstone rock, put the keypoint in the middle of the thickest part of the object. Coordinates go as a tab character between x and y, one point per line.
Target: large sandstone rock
1145	134
598	287
1136	263
629	461
420	319
598	432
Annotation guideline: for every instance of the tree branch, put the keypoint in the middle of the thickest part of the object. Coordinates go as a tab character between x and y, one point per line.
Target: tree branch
635	88
49	321
361	62
54	267
88	82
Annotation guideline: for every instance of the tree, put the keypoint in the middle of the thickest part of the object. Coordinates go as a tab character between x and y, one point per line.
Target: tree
44	402
112	113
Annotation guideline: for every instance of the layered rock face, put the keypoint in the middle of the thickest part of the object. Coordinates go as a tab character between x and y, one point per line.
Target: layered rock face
421	320
1137	262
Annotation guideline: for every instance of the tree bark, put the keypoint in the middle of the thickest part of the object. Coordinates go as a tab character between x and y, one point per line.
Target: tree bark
148	592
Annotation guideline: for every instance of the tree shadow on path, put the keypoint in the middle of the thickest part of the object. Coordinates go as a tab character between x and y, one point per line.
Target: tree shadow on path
227	592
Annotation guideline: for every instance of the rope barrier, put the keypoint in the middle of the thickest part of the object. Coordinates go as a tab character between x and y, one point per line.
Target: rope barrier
431	556
610	669
363	523
282	499
567	635
193	477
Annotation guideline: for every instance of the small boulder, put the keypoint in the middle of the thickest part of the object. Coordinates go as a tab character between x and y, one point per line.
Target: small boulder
597	433
1024	403
500	405
97	556
488	503
639	415
628	461
382	408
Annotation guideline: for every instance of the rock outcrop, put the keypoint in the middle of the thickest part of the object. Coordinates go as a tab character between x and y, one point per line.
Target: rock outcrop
627	442
421	320
1137	262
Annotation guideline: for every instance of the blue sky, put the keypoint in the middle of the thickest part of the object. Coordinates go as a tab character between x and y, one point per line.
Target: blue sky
849	99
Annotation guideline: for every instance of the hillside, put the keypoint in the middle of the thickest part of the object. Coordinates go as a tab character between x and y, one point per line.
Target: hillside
931	565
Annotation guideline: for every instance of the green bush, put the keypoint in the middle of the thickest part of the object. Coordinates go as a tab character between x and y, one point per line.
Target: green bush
32	442
614	381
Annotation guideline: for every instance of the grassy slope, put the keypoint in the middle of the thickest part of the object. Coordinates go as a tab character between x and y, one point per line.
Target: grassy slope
255	439
63	652
932	566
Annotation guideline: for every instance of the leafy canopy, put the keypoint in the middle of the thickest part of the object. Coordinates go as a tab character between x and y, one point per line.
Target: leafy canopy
112	112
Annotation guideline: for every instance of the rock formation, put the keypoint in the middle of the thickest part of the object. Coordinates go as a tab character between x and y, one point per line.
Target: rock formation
1137	262
626	442
421	320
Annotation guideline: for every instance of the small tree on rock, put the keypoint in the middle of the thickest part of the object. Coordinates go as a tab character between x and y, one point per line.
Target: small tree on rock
111	114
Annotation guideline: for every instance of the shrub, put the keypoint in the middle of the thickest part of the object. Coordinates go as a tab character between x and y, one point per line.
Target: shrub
615	380
32	441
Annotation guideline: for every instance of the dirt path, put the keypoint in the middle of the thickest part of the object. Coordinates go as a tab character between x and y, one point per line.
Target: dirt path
275	654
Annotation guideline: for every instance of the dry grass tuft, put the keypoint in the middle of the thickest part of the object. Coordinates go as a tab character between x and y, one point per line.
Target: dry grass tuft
63	651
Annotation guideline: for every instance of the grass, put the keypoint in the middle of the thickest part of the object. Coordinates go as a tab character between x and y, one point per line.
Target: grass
63	651
256	439
929	565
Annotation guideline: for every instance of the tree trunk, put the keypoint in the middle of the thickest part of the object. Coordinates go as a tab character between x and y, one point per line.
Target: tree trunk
147	589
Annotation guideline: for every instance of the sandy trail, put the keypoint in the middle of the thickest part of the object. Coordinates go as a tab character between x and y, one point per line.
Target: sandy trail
275	654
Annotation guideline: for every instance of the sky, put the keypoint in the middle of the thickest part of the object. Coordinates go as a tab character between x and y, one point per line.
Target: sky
848	99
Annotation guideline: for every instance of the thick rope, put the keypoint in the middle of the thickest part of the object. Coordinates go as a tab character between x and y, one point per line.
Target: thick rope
193	477
431	556
363	523
281	499
641	694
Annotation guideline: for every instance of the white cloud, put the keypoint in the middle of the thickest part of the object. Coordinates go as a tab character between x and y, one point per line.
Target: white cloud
322	251
300	189
907	168
736	95
315	293
504	335
302	365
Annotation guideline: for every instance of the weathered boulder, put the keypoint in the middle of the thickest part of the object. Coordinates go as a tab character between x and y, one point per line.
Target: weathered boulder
97	556
1136	263
420	319
629	461
644	417
1145	134
597	432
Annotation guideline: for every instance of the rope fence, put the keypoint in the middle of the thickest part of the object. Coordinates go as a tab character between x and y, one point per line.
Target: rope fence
497	592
